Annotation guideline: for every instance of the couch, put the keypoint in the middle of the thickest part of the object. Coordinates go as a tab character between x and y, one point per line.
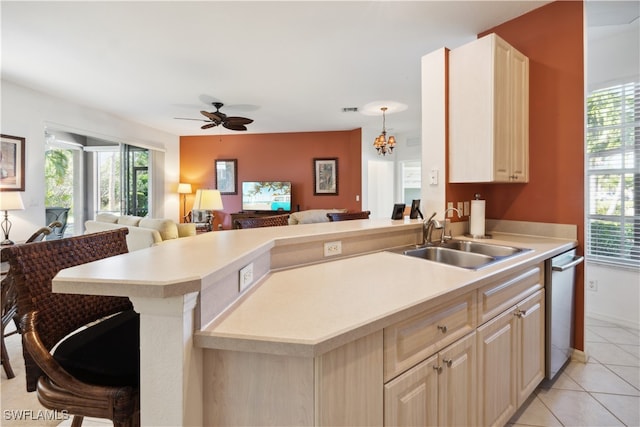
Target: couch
143	232
311	216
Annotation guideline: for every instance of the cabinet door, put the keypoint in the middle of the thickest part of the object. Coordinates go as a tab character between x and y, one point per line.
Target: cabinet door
412	398
502	105
520	123
497	347
530	324
457	383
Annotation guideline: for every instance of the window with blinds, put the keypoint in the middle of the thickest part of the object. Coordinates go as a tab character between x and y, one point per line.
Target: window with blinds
613	175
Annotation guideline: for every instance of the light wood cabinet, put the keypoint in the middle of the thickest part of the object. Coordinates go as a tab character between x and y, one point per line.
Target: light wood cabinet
510	359
439	391
488	112
408	342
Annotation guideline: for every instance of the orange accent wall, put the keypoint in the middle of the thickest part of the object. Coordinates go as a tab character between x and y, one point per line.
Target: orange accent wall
552	38
276	157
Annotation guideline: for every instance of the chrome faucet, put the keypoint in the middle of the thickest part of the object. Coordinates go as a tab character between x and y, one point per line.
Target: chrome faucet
444	227
428	226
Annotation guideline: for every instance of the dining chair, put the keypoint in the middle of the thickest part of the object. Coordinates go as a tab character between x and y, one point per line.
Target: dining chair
94	369
346	216
265	221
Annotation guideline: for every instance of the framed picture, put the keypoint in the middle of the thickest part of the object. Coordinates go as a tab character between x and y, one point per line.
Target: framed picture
398	211
227	176
325	176
11	163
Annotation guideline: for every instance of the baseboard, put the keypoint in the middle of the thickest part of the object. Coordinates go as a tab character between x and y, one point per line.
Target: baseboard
579	356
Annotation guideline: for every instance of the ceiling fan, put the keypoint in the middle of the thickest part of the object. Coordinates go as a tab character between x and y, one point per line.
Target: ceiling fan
217	118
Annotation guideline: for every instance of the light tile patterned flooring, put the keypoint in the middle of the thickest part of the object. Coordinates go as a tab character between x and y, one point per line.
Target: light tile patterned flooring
605	391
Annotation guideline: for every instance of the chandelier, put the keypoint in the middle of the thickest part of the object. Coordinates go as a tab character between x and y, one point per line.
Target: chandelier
381	143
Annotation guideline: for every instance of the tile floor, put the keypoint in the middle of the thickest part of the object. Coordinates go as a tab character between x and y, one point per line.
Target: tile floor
603	392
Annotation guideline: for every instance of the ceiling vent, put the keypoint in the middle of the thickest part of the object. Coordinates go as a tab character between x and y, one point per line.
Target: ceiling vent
350	109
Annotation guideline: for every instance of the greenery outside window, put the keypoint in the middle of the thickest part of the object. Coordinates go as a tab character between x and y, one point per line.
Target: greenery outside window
613	175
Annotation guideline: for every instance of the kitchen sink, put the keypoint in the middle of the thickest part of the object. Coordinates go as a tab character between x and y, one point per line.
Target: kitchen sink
451	256
462	253
483	248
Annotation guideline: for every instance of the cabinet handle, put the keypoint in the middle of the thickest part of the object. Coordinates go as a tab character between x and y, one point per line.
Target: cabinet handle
448	362
438	369
442	328
520	313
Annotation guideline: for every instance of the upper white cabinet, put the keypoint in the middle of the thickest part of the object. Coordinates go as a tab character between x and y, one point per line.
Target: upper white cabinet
488	112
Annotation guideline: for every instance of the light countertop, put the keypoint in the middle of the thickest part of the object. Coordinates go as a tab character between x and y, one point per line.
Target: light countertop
312	309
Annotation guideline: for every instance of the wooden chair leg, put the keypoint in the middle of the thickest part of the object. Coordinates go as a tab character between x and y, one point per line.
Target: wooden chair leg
5	360
77	421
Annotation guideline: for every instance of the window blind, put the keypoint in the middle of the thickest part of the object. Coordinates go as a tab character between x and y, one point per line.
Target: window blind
613	175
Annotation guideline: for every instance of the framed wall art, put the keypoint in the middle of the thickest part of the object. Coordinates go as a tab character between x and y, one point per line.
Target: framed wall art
227	176
325	176
11	163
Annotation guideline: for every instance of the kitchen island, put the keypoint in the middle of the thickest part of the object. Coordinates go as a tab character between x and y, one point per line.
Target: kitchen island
282	351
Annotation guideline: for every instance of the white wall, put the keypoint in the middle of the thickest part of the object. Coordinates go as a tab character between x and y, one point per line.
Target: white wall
617	298
26	113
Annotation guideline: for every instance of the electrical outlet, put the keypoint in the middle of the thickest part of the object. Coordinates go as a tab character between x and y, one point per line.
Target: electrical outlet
466	208
460	208
592	285
246	276
450	206
333	248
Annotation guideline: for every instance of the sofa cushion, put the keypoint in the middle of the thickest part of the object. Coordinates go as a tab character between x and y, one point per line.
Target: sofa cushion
311	216
186	229
106	353
166	227
129	220
107	217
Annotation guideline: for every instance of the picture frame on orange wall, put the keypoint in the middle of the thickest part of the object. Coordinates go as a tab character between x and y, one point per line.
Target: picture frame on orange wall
227	176
325	177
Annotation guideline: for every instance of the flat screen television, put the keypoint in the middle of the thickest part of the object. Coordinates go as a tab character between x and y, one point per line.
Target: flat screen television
266	196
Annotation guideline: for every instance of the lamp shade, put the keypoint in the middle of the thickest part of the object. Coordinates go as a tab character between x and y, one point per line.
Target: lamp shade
184	188
11	201
208	200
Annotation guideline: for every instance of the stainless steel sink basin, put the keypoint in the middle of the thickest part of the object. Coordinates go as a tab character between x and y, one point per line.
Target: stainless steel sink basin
463	253
451	256
483	248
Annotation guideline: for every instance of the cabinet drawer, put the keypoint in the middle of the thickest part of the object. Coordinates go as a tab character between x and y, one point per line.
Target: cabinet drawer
409	342
495	298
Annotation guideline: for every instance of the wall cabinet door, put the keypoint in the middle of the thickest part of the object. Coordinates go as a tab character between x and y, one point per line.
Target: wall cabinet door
488	112
440	391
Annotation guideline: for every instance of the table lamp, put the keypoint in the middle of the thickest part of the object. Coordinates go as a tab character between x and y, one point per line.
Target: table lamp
184	189
208	200
9	201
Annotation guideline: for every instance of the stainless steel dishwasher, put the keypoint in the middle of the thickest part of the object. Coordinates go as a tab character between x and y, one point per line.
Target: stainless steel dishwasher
559	308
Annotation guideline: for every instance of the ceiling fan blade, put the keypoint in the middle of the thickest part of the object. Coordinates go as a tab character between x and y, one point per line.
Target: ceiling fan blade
185	118
209	125
232	126
216	117
239	120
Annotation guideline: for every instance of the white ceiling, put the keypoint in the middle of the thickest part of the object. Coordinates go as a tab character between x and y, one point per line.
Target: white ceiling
291	66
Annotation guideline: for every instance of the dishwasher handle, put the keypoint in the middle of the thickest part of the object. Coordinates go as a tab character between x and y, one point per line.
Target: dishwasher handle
576	260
